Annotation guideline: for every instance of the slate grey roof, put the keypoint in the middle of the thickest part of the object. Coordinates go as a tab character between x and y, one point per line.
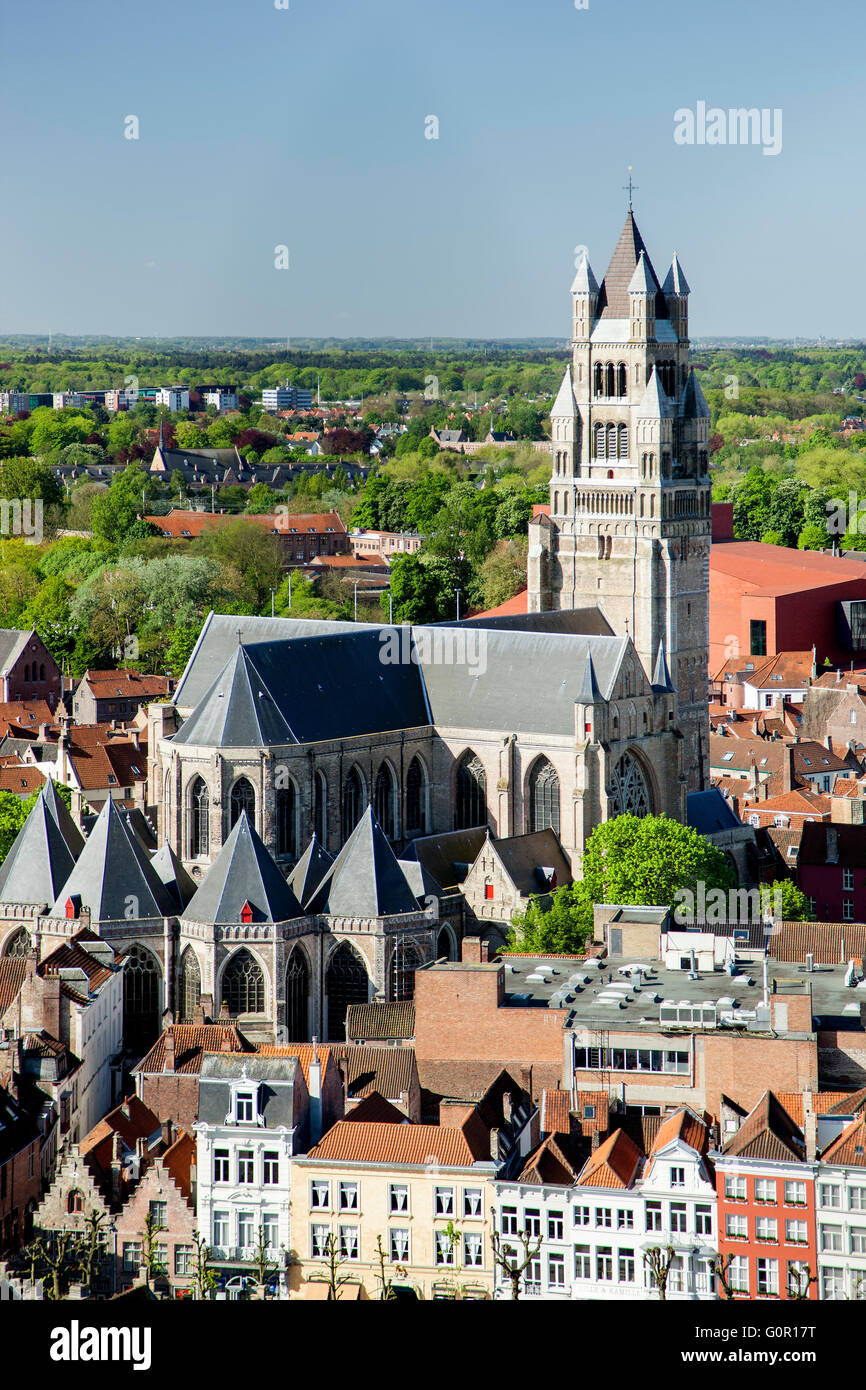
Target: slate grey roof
113	872
243	872
12	644
565	406
655	404
309	871
179	883
709	812
675	280
588	692
693	405
238	711
613	295
584	281
422	883
39	861
578	622
522	856
68	829
365	879
274	1076
661	673
643	281
449	856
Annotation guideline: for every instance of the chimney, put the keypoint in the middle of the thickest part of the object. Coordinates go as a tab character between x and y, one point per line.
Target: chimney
168	1135
788	767
116	1167
595	1140
832	856
494	1145
507	1104
168	1064
810	1127
526	1080
315	1088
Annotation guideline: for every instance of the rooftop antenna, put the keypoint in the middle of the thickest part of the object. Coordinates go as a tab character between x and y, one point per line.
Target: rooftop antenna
630	188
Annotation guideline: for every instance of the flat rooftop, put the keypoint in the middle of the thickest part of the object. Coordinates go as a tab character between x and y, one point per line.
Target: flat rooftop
623	991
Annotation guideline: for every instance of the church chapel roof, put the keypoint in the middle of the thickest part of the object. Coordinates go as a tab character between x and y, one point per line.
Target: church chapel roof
309	871
40	860
613	300
179	883
112	870
365	879
243	872
693	405
68	829
565	405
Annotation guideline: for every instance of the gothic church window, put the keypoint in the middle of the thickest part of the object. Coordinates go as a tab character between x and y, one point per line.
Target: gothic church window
471	792
416	789
320	807
297	995
401	972
243	798
346	982
18	944
198	800
631	794
353	797
190	985
543	797
287	837
140	994
243	988
385	800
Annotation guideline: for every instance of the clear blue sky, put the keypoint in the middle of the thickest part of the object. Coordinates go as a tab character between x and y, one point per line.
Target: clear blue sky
305	127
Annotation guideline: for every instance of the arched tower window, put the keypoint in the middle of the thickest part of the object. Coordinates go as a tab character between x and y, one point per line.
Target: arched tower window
190	985
199	838
622	441
610	442
385	800
621	380
75	1202
416	798
471	789
598	379
401	971
286	808
609	379
631	793
141	977
353	800
444	945
599	441
297	996
243	798
543	797
18	944
243	985
346	982
320	807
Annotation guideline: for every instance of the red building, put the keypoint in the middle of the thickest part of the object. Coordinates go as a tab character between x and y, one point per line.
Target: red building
766	1206
830	870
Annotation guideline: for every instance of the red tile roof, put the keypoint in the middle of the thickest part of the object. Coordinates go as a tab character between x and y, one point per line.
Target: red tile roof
12	972
126	684
613	1164
683	1125
768	1132
555	1112
850	1147
793	941
20	779
192	1041
303	1052
179	1159
822	1102
361	1142
518	604
548	1166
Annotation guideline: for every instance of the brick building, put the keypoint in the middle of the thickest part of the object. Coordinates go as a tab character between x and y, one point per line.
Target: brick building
28	671
104	696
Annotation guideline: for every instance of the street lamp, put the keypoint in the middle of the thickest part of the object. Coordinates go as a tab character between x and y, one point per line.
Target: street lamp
457	592
273	595
356	600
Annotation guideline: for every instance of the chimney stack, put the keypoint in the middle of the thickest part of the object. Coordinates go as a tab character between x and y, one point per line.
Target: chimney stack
494	1145
168	1065
788	768
315	1095
810	1127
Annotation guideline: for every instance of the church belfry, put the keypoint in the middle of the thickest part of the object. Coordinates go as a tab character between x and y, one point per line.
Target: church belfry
630	515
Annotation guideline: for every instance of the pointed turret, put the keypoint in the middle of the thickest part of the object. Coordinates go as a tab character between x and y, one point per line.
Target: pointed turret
675	280
39	861
584	281
643	281
655	404
309	871
365	879
179	883
565	406
243	884
693	405
676	292
68	829
238	711
584	300
613	302
588	691
661	675
113	877
643	292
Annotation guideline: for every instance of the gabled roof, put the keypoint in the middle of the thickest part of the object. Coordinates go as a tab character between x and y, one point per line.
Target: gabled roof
68	829
365	879
375	1109
524	857
191	1042
613	295
767	1132
675	280
179	883
548	1166
614	1163
555	1111
309	871
113	873
565	406
447	857
39	861
849	1147
13	641
380	1021
685	1125
238	711
243	872
361	1141
12	972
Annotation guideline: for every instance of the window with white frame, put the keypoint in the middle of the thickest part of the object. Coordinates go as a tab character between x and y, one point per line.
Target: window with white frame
767	1229
270	1167
582	1262
830	1195
555	1225
532	1277
349	1242
245	1166
676	1275
848	879
604	1262
348	1196
832	1282
221	1165
473	1249
796	1233
320	1194
399	1238
604	1217
444	1248
857	1198
831	1238
858	1240
271	1229
581	1216
679	1216
736	1226
738	1274
678	1177
398	1197
703	1220
131	1256
795	1194
765	1190
318	1241
245	1229
653	1214
221	1228
556	1271
532	1221
184	1260
735	1188
443	1205
472	1201
767	1276
625	1219
626	1266
244	1108
509	1214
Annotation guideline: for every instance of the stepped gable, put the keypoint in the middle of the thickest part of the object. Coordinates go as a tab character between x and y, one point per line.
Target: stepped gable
39	861
243	873
171	872
309	871
365	879
113	870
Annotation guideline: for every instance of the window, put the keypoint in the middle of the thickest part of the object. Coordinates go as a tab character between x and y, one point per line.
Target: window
736	1227
767	1272
349	1242
738	1274
385	800
556	1271
704	1220
270	1167
857	1198
346	982
532	1221
653	1216
141	979
318	1241
532	1277
858	1241
796	1233
131	1256
244	1107
190	984
405	960
831	1238
287	837
472	1201
582	1266
320	1194
242	802
829	1195
603	1216
625	1219
271	1229
348	1196
543	797
767	1229
847	878
398	1197
473	1249
75	1202
220	1229
199	839
471	793
626	1266
735	1189
221	1165
320	808
444	1248
581	1216
159	1212
678	1216
353	801
555	1229
443	1205
832	1283
416	797
245	1166
847	910
509	1214
243	988
795	1194
678	1177
757	637
765	1190
604	1262
183	1259
399	1238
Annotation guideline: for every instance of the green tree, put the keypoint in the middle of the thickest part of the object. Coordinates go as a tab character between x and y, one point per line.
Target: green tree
205	1278
150	1249
92	1246
792	904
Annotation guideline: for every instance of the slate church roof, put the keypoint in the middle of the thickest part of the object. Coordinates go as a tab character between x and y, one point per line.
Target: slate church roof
365	879
113	873
309	871
39	861
613	302
179	883
243	872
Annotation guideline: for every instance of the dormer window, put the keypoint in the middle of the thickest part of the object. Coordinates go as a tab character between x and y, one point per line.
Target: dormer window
244	1107
246	913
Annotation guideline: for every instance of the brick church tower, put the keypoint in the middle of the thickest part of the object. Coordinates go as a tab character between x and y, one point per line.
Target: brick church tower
630	517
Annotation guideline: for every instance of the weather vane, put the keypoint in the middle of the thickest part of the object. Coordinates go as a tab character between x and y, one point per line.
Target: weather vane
630	188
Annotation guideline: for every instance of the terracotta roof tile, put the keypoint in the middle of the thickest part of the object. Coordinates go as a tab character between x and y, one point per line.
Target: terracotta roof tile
179	1159
192	1041
304	1053
684	1125
360	1142
613	1164
555	1112
12	972
375	1109
793	941
548	1166
379	1022
822	1102
767	1132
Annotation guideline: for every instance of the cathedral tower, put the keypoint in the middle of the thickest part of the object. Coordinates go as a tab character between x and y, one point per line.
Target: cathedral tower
630	518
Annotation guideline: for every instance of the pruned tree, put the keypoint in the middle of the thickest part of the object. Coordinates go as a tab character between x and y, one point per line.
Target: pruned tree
799	1283
514	1263
720	1266
387	1290
205	1277
332	1254
91	1245
263	1266
658	1260
59	1253
149	1248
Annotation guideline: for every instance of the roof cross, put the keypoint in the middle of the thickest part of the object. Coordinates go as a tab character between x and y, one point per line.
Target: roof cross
630	188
